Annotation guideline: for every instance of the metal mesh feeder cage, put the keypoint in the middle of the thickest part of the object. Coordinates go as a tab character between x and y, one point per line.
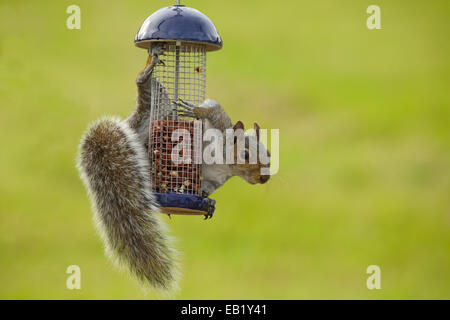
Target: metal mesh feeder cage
175	143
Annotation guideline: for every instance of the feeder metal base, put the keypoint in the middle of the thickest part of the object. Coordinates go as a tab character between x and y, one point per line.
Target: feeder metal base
186	204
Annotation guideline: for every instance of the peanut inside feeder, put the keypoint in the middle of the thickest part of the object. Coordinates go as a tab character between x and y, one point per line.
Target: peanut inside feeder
170	175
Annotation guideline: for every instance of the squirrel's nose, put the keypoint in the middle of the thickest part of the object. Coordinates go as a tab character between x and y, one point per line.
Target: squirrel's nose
264	178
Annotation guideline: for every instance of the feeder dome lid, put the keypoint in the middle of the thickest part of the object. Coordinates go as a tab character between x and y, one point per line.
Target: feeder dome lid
178	23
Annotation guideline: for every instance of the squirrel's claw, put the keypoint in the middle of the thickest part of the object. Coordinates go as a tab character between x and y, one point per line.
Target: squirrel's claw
157	60
155	51
185	109
185	105
208	216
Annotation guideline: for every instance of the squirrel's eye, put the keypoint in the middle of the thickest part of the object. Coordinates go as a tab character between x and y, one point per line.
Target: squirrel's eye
245	154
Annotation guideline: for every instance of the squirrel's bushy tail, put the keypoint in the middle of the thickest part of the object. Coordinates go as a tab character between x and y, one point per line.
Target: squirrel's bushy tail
115	169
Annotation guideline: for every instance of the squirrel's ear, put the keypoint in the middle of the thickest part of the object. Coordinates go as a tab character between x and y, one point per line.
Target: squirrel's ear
256	128
238	125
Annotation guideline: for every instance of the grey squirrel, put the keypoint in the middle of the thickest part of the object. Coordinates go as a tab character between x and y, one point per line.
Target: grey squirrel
115	168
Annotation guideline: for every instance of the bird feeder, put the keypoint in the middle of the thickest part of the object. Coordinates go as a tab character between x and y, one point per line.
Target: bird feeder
186	35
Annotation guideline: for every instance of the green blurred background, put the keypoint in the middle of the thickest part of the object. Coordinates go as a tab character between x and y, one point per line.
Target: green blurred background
364	149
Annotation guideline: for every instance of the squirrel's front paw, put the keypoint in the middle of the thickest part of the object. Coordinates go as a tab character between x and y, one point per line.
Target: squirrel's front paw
187	109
